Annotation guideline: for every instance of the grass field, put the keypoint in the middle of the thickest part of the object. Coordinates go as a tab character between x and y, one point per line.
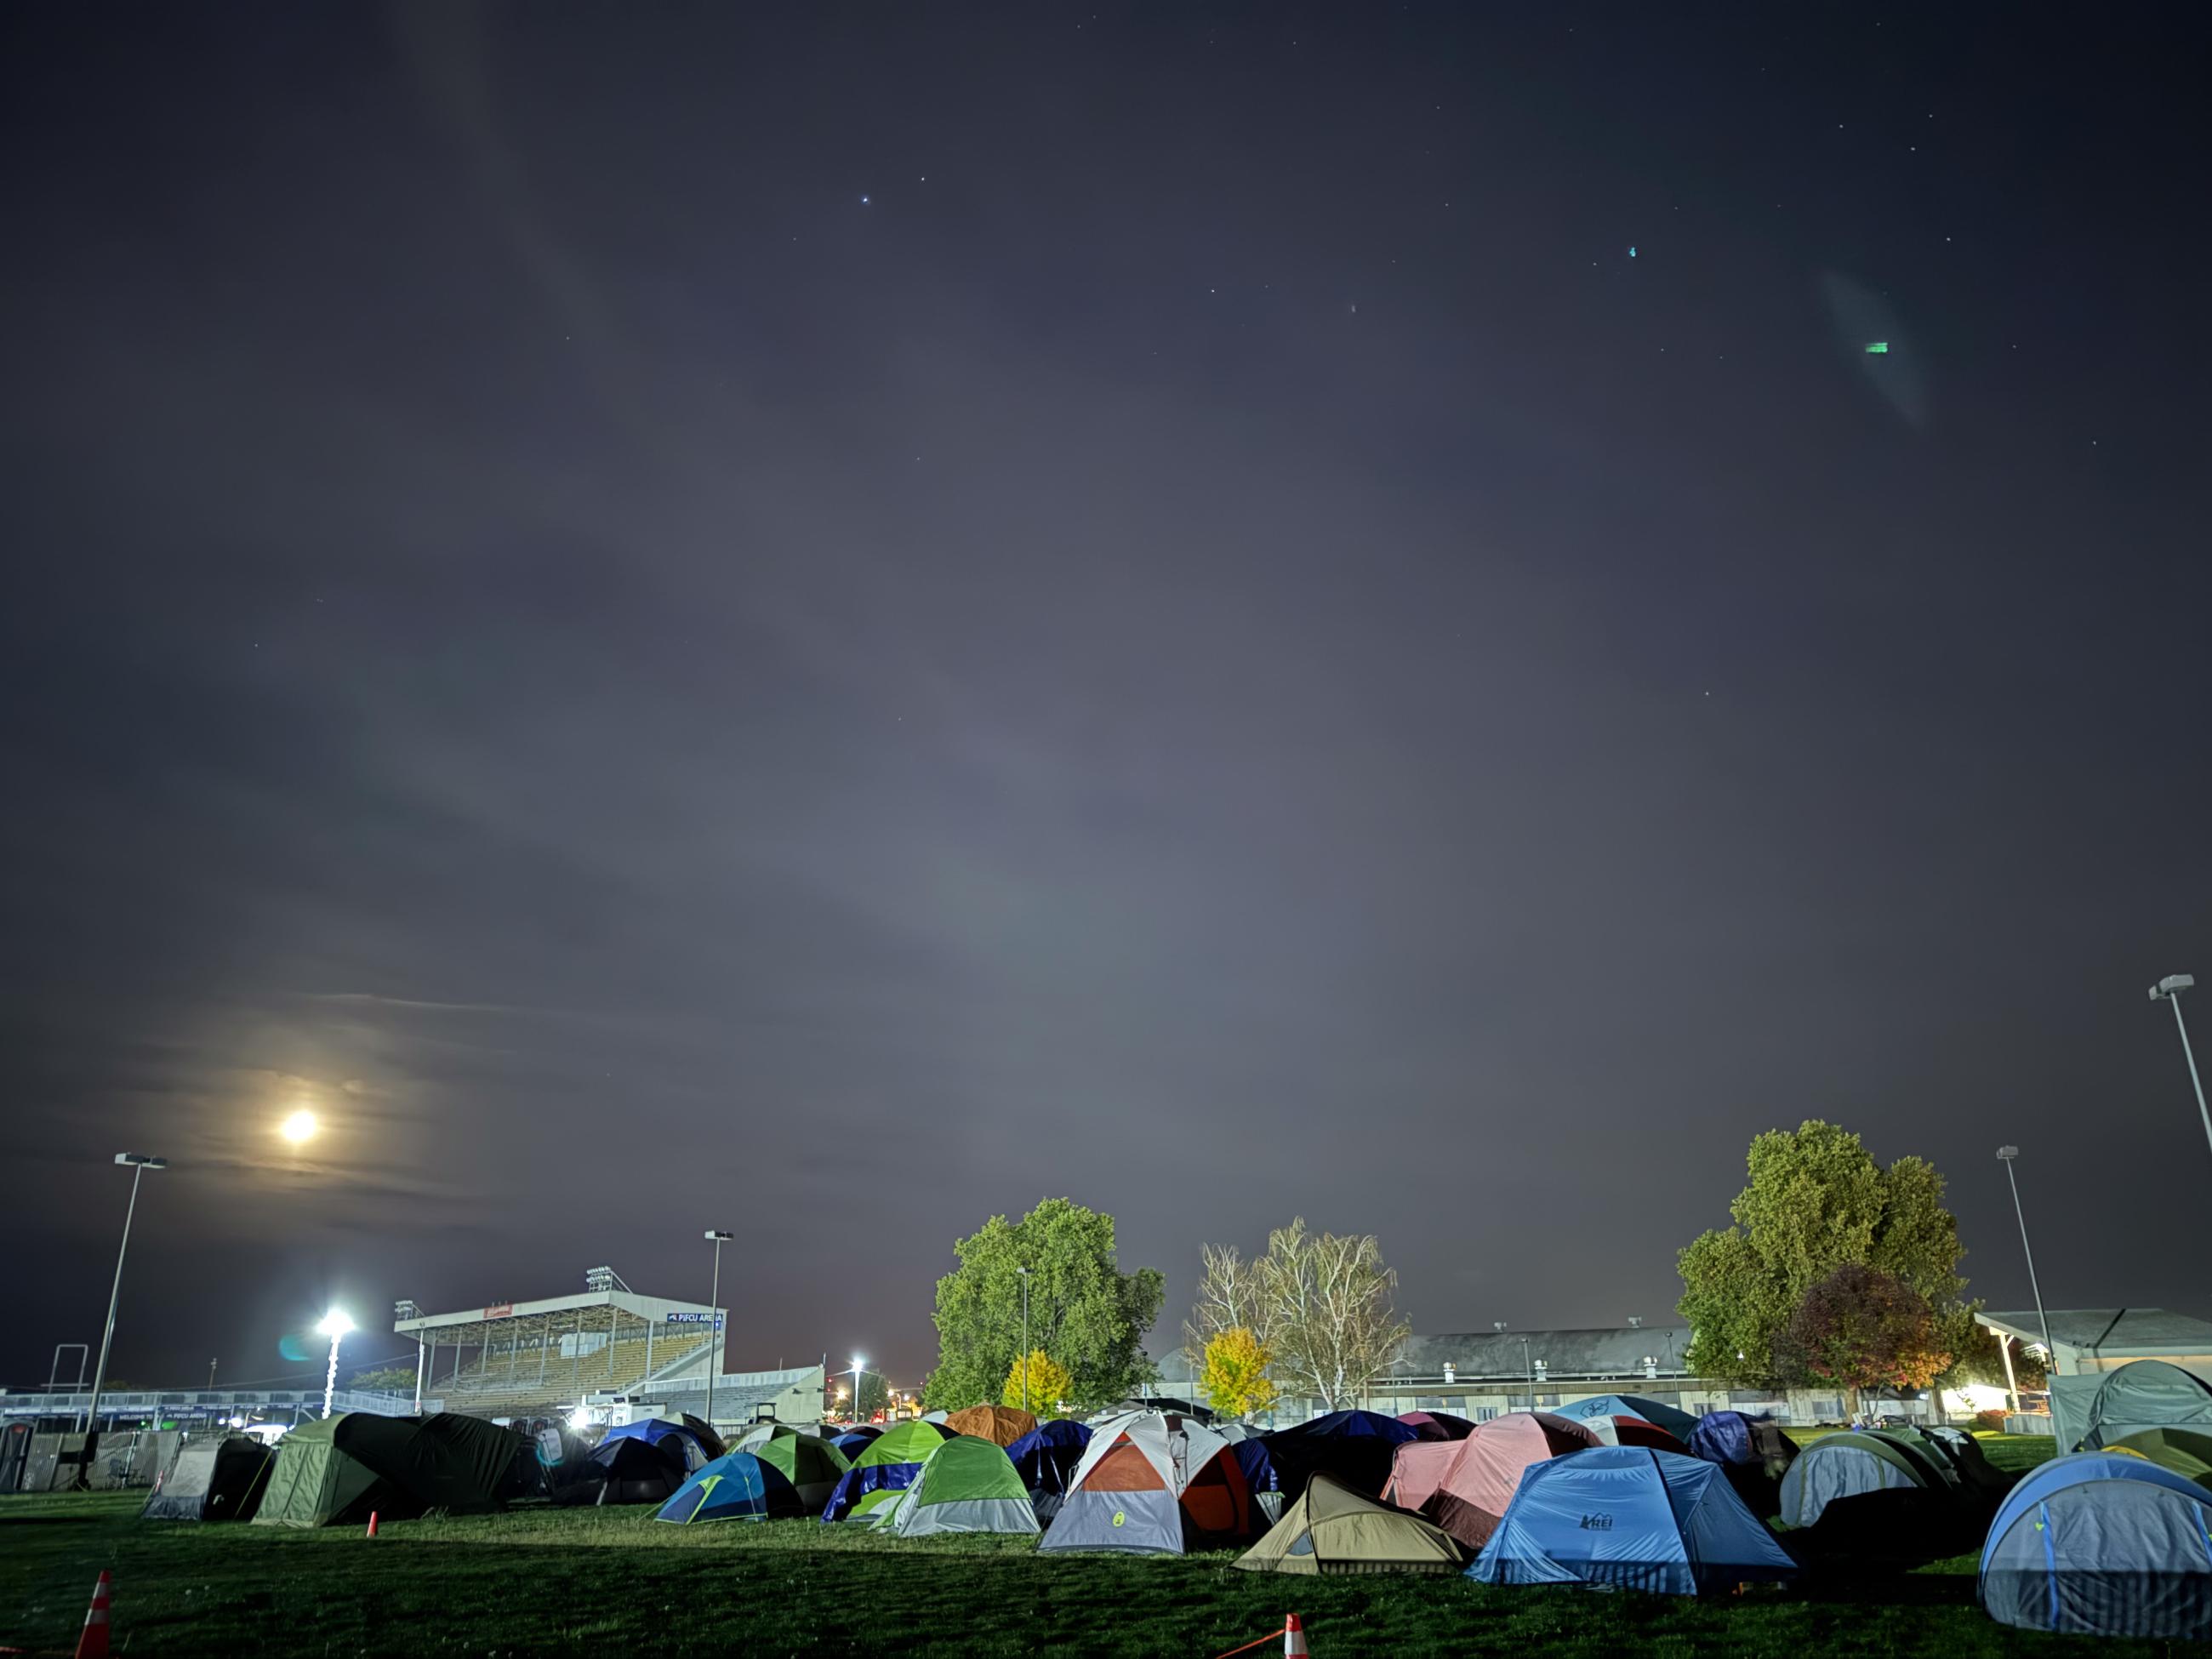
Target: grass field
549	1581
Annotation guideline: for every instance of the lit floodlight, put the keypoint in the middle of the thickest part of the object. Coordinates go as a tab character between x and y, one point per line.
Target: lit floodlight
335	1324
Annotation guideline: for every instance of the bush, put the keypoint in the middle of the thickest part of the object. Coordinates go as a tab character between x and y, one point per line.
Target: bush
1991	1421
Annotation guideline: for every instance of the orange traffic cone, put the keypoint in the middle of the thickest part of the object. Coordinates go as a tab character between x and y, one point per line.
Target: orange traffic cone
1294	1638
93	1644
371	1523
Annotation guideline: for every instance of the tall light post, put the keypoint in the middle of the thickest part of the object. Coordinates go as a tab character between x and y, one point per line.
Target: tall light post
335	1325
2006	1154
137	1163
1024	1272
857	1364
2169	989
714	1316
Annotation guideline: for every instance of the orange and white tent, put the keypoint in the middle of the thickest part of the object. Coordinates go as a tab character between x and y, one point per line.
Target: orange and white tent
1150	1483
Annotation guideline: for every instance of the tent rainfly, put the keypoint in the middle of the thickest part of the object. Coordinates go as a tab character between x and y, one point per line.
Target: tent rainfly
2097	1544
967	1484
211	1477
1331	1528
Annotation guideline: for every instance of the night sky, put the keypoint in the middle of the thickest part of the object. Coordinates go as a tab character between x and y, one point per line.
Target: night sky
826	621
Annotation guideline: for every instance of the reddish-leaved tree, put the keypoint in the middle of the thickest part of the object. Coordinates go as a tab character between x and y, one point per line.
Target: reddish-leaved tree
1864	1328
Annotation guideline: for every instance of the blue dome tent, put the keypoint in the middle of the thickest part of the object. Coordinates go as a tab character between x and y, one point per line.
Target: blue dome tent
1632	1517
736	1486
2102	1544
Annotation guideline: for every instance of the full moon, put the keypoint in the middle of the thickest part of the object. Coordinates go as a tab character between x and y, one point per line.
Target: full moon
300	1128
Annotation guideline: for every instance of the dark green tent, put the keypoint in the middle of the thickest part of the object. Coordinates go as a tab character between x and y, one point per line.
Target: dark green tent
337	1470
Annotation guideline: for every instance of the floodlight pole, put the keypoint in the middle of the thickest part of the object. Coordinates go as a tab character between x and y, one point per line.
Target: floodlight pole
138	1163
2006	1155
1024	1272
714	1318
2169	989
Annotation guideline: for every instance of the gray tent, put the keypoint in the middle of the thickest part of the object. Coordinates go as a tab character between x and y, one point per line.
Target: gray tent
1845	1465
2098	1543
211	1477
2090	1412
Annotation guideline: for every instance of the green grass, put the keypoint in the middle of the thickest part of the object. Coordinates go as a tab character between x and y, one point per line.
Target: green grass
539	1580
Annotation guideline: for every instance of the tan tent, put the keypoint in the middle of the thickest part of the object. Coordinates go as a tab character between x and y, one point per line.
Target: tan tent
1333	1529
999	1425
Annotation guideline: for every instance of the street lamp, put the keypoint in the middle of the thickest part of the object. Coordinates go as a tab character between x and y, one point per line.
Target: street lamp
1024	1272
2169	989
857	1364
714	1316
2006	1154
138	1163
335	1325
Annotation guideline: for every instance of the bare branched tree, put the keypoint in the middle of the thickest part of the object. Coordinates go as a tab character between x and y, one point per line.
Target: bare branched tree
1331	1318
1229	1296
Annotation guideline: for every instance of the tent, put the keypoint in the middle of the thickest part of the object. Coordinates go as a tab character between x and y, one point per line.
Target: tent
695	1445
1977	1477
1354	1446
967	1484
1631	1431
1260	1479
211	1477
1333	1529
999	1425
1676	1421
1630	1517
736	1487
810	1464
1149	1483
2089	1413
886	1468
1732	1437
1473	1490
1045	1458
1436	1426
336	1470
1233	1432
2102	1545
2184	1451
854	1441
629	1469
1845	1465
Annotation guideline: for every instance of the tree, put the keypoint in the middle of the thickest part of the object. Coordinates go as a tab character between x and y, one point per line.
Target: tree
1047	1385
1231	1295
1084	1309
875	1394
1864	1328
1976	1356
1816	1201
386	1379
1233	1377
1330	1314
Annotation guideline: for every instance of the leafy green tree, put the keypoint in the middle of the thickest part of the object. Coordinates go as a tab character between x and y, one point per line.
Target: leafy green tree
1233	1377
1084	1309
1043	1387
1816	1201
1864	1328
386	1379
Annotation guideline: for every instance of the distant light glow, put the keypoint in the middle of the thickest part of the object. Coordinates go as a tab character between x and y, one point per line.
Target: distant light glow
335	1324
580	1420
1877	348
300	1127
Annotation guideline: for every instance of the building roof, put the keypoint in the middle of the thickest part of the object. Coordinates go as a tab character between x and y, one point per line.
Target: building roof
2109	1331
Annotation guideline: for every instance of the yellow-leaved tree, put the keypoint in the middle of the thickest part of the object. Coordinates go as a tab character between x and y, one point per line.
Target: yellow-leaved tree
1046	1383
1233	1377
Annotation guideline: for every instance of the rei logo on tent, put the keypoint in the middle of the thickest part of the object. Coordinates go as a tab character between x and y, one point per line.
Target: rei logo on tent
1119	1517
1597	1523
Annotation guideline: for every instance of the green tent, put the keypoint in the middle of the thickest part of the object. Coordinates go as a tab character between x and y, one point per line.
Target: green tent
2090	1412
2187	1452
314	1483
812	1464
337	1470
968	1485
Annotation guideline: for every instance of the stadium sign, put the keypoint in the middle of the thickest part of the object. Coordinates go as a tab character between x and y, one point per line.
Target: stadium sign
693	1318
500	1310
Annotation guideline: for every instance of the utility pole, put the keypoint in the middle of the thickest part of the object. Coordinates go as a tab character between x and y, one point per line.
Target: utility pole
1024	1272
2169	989
137	1163
715	1319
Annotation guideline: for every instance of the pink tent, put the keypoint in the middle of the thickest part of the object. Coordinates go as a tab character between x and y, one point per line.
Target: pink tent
1417	1469
1471	1496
